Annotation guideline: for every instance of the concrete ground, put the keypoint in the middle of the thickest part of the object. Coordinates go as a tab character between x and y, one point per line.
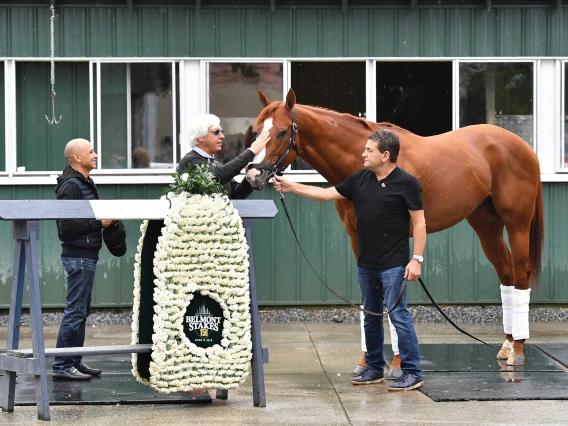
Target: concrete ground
308	383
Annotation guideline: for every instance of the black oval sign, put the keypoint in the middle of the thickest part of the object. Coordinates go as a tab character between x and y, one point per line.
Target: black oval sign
203	321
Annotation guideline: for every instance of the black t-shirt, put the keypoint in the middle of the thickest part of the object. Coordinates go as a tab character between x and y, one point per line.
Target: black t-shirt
383	221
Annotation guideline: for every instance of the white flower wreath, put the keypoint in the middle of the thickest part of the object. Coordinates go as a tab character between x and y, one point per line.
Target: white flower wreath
202	249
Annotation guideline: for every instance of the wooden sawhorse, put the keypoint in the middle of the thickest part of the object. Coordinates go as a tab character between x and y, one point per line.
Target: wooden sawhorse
26	215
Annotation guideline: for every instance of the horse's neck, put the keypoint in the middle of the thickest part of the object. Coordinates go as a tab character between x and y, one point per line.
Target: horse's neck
330	142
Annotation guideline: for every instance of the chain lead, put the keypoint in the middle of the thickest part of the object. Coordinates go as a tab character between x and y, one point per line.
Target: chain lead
52	120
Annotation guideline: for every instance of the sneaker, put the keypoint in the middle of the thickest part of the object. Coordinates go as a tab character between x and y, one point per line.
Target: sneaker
406	382
85	369
368	377
71	374
358	370
361	366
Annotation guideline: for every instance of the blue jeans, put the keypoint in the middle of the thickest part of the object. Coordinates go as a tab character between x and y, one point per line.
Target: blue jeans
384	285
80	278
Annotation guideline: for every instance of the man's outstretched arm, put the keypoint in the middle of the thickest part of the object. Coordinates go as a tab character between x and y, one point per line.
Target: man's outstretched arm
312	192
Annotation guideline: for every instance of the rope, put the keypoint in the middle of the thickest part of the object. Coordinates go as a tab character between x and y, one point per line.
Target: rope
403	287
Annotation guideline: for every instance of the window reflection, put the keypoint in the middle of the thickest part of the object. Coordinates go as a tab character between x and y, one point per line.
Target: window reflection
565	114
233	97
152	119
149	98
2	118
113	147
499	94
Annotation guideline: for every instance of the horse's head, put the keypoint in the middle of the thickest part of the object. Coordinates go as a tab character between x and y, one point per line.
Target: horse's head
281	150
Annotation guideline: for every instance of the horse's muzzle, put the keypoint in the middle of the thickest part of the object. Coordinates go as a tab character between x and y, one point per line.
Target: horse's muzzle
258	179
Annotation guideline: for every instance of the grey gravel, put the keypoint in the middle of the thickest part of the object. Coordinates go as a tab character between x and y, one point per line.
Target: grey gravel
420	314
463	314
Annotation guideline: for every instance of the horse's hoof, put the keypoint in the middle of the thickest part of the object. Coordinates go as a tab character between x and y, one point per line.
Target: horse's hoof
393	374
515	359
358	370
504	353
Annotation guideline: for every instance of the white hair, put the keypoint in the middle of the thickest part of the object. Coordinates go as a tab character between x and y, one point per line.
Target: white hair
199	126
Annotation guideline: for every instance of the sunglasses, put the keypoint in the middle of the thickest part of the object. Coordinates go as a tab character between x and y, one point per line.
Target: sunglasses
218	132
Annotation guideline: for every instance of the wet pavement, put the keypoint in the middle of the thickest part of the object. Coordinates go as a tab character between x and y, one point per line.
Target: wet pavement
308	382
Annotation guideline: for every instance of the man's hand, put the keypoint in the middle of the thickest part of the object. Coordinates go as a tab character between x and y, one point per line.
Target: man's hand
258	145
413	270
107	222
281	184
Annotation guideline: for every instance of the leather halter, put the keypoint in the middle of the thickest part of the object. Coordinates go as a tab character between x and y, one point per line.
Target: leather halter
275	169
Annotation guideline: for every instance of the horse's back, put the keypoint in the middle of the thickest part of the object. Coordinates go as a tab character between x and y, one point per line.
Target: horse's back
460	169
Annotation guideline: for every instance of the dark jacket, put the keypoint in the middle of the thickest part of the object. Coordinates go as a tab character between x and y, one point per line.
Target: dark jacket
224	173
81	237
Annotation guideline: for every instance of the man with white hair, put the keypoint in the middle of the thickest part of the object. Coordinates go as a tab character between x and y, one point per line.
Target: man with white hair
206	139
81	240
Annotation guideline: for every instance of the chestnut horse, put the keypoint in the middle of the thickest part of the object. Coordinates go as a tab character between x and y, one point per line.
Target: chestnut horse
483	173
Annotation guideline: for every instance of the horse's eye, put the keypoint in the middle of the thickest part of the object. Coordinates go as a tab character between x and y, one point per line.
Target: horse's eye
282	134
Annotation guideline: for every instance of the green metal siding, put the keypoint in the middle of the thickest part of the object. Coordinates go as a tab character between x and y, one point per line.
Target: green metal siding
114	276
455	269
286	32
40	145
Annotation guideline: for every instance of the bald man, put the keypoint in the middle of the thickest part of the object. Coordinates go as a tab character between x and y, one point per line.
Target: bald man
81	241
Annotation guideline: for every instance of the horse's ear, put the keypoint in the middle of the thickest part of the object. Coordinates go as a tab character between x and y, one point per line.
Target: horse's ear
264	101
290	99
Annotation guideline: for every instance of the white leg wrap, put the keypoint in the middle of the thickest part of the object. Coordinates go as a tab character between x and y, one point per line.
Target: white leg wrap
394	337
363	341
521	300
507	344
507	303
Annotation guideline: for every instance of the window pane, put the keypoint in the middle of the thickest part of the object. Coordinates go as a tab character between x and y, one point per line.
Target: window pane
500	94
339	86
408	92
151	113
233	97
113	147
2	120
39	144
565	114
152	124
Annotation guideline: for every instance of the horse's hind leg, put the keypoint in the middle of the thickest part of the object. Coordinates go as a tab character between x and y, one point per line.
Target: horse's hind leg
519	240
489	228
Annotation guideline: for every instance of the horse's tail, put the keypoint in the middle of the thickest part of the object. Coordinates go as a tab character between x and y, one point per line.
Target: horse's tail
536	238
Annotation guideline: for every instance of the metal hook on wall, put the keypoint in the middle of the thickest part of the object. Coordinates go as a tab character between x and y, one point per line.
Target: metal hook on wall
53	120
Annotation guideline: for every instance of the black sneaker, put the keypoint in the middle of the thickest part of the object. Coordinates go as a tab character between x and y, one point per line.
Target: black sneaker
368	377
406	382
71	374
85	369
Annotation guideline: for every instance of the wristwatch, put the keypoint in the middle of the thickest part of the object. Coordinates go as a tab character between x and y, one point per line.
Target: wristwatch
418	258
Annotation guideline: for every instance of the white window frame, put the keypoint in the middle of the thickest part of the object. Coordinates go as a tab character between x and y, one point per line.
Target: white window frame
549	106
99	145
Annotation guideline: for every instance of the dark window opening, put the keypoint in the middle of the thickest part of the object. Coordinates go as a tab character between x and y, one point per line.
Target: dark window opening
416	96
339	86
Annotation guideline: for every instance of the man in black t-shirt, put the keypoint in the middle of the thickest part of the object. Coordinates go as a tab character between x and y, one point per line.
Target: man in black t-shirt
386	199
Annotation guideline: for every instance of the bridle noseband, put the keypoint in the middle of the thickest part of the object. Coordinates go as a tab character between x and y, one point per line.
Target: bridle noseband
275	169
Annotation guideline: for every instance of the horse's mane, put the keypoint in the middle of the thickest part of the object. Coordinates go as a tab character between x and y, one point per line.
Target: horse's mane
346	116
339	116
